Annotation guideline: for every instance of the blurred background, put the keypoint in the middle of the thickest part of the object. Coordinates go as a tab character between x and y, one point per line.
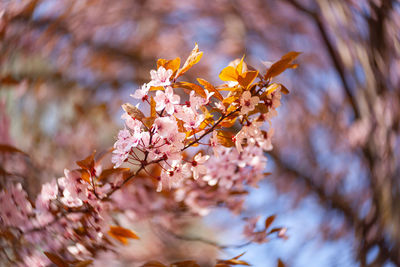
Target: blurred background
67	66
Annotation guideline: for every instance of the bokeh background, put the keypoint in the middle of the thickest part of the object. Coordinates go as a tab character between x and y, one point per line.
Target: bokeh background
67	66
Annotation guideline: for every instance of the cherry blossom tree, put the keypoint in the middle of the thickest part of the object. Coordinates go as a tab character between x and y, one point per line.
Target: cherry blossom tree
191	157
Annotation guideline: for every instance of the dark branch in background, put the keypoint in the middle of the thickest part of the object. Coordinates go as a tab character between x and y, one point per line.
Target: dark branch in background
334	201
337	202
199	239
337	62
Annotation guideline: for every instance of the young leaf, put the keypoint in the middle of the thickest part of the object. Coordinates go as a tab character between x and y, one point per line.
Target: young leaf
281	65
121	234
193	58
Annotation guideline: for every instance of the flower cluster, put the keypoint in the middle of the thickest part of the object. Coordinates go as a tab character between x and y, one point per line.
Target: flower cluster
203	144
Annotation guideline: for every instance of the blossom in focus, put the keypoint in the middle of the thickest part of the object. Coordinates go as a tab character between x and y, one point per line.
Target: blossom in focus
166	100
160	77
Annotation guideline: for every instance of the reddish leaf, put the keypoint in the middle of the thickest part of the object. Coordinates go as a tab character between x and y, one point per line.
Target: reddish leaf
10	149
268	221
87	163
280	263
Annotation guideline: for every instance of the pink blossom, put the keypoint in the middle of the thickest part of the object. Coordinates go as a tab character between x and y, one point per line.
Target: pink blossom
254	136
160	77
173	176
132	123
142	93
190	117
166	100
251	233
166	126
247	102
196	101
74	191
197	166
122	147
48	193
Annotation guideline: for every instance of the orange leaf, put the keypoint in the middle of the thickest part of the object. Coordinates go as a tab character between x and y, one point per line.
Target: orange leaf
133	111
272	88
225	138
83	263
239	67
228	122
8	80
247	78
191	86
172	64
108	172
56	259
11	149
281	65
229	74
156	88
153	112
233	261
87	163
153	264
193	58
280	263
185	264
284	90
210	88
121	234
